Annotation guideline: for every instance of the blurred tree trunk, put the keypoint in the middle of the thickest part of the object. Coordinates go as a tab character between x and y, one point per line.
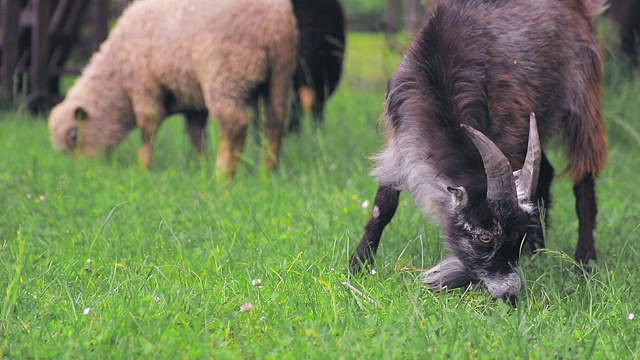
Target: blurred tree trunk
405	15
391	16
414	12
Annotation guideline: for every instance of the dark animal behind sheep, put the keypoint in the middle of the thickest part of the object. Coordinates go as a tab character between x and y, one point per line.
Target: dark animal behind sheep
321	46
626	16
486	65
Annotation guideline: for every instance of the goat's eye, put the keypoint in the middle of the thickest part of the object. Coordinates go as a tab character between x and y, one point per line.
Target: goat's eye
485	239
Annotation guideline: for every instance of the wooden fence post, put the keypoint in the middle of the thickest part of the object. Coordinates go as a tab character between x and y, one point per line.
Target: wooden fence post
101	21
10	23
39	53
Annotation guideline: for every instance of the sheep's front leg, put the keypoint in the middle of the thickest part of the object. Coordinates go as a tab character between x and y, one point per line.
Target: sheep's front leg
148	126
144	154
233	123
149	115
384	208
195	124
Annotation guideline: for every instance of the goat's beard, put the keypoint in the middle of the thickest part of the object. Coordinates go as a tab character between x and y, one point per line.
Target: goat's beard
450	273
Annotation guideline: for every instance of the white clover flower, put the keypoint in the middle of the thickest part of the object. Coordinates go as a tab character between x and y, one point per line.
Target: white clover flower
365	204
86	310
631	316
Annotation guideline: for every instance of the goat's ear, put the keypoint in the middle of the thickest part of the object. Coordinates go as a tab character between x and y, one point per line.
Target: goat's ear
458	196
81	114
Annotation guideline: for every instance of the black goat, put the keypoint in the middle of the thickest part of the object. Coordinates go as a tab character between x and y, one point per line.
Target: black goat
321	45
626	16
457	122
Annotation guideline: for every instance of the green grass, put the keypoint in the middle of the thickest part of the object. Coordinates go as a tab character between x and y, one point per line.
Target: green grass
100	260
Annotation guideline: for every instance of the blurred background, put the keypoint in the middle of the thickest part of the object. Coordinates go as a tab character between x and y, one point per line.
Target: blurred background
45	43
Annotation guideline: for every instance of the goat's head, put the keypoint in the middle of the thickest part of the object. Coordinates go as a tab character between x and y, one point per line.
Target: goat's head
486	237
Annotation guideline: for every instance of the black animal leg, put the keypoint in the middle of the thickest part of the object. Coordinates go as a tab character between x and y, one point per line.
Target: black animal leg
586	208
195	123
543	195
384	208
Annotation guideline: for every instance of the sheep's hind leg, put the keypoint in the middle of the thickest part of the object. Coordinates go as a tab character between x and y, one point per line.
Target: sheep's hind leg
318	113
276	102
384	208
296	112
304	101
254	103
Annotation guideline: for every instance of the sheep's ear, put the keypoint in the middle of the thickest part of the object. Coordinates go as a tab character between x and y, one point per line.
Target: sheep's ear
458	196
81	114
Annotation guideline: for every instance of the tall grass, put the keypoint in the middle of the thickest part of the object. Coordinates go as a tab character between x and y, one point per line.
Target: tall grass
100	260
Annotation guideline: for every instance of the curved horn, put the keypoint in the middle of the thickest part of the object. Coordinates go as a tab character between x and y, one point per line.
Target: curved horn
531	167
500	182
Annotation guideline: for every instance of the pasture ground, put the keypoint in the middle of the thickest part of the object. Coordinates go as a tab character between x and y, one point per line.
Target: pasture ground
100	260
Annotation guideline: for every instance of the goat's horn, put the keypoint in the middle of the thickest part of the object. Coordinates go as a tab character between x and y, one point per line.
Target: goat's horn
531	167
500	182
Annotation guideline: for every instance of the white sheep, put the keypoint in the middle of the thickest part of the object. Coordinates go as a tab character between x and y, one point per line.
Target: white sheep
191	57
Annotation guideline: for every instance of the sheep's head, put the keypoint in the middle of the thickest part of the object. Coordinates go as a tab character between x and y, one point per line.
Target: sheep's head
85	128
486	236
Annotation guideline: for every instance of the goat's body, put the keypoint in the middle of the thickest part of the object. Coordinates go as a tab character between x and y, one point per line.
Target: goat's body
489	74
488	64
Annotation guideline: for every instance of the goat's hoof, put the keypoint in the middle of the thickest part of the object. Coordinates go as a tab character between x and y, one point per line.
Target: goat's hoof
511	300
357	266
584	268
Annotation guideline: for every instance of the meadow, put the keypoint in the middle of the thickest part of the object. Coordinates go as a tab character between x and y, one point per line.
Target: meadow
101	260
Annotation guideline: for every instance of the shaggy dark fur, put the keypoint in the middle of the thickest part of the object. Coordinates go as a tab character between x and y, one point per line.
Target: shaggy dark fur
321	45
626	16
488	64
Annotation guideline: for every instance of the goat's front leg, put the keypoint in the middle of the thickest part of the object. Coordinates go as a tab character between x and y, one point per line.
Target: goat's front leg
586	208
384	208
